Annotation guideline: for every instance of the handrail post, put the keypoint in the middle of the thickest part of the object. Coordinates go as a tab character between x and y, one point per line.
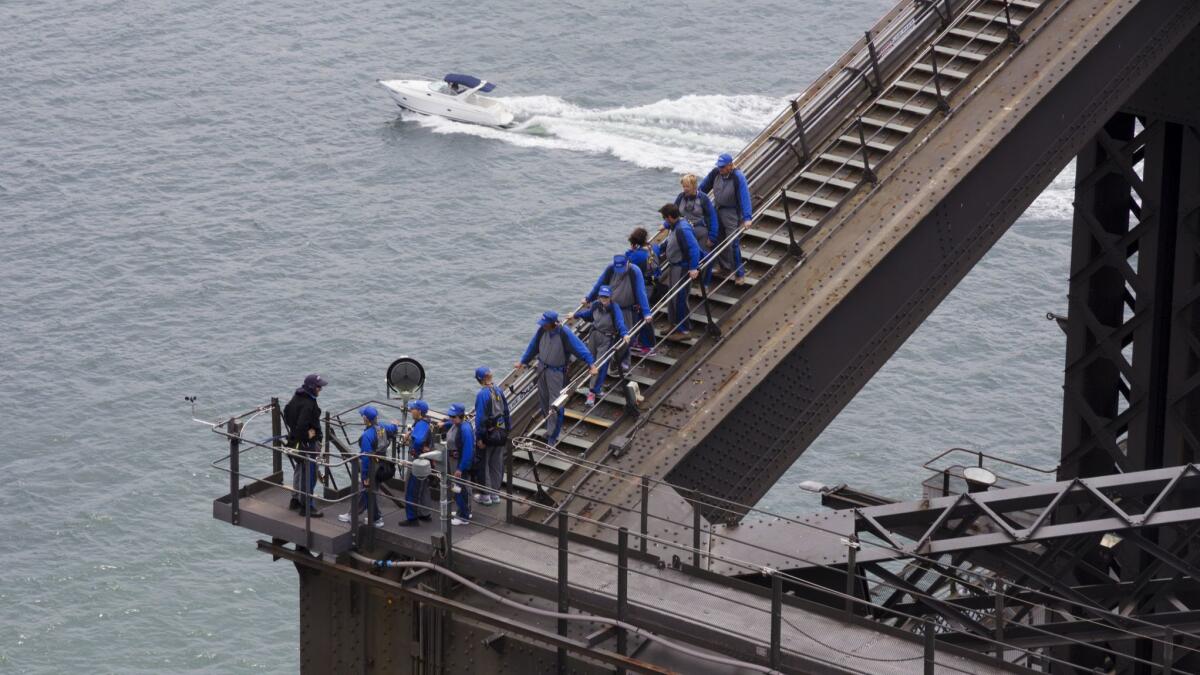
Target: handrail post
793	247
800	161
711	327
942	103
1168	655
508	483
800	128
622	591
776	621
874	64
235	442
563	605
868	174
645	515
276	441
930	646
999	620
851	573
949	12
1013	36
354	506
695	531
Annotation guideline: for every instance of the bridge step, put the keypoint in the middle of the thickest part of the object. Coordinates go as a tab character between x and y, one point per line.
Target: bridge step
998	18
900	105
761	259
1023	4
763	234
830	180
841	161
567	439
959	53
941	70
976	35
719	298
806	223
572	414
923	88
890	126
547	461
874	145
810	199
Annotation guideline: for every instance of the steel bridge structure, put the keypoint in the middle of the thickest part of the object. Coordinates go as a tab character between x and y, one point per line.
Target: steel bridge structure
633	544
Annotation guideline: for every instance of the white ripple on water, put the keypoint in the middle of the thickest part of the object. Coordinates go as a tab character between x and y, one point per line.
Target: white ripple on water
682	134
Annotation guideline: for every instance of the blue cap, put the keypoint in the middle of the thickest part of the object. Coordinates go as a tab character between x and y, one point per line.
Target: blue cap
369	412
456	410
620	260
419	405
548	318
482	372
724	160
605	292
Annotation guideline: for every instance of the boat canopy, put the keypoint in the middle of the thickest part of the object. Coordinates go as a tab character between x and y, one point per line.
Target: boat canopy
468	82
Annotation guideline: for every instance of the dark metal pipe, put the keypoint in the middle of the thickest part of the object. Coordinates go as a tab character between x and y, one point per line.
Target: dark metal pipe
793	247
508	483
930	644
235	441
851	573
874	64
800	128
942	103
276	441
645	524
622	591
563	605
776	621
868	174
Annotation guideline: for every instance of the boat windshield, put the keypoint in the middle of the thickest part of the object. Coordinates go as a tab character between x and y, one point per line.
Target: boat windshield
447	89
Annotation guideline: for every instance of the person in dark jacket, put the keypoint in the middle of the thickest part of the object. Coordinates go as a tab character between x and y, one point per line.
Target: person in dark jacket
492	428
302	416
731	195
368	444
608	328
681	254
553	344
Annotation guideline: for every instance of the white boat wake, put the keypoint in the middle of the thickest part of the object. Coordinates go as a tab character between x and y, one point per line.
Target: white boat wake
683	134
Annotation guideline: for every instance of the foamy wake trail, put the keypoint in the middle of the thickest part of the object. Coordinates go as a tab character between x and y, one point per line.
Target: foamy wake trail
682	134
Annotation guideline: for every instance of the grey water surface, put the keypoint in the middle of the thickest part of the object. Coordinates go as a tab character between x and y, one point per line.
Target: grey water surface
215	198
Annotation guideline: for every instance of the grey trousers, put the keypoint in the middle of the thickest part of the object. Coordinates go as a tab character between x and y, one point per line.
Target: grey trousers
550	382
493	466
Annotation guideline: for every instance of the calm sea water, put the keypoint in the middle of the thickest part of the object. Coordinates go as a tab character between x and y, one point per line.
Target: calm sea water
214	198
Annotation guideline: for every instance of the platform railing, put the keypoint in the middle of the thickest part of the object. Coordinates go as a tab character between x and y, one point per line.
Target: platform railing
1005	592
690	558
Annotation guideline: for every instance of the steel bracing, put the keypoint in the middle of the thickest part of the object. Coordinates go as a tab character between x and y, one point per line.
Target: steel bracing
1131	382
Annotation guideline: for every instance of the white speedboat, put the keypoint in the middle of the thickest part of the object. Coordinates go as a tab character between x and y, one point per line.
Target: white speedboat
457	97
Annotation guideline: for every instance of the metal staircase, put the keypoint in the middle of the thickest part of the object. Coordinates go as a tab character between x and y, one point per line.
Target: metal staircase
808	161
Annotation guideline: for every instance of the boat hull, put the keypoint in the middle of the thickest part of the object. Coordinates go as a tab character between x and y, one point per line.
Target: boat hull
415	95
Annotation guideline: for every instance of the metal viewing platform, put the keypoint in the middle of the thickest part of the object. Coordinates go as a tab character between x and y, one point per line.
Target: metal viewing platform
634	544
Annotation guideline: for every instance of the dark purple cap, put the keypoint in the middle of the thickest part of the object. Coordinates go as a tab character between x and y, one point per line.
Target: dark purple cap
313	381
